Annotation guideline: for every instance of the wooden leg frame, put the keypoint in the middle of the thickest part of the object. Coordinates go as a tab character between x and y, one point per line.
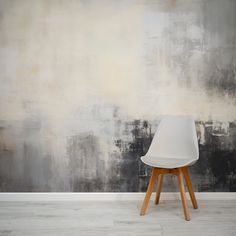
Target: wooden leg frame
158	174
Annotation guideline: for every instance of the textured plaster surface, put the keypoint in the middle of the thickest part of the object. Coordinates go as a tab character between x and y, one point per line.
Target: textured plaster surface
83	85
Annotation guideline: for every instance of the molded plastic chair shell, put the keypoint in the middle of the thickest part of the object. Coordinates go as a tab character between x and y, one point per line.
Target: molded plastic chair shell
174	143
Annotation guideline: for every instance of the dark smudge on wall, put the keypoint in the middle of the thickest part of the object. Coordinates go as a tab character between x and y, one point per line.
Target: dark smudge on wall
222	81
85	164
23	165
23	168
214	171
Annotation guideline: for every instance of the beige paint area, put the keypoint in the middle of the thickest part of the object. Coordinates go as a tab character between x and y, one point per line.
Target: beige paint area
56	58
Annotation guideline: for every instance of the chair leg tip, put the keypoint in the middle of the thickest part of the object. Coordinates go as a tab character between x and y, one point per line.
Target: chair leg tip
142	213
187	219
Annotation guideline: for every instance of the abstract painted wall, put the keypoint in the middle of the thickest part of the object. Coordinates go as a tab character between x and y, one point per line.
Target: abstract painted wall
84	84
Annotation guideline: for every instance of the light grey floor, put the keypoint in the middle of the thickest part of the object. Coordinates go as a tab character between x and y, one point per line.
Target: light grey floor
116	218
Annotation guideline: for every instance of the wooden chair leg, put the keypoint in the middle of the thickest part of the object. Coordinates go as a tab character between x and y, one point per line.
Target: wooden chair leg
159	186
183	197
149	190
190	187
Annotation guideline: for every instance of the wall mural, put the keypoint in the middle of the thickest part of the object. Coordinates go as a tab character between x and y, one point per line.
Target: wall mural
84	84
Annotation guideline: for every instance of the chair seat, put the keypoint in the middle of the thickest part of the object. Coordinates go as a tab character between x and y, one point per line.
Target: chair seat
168	163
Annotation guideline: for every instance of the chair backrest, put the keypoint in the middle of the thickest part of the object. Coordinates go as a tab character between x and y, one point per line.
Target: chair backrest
175	137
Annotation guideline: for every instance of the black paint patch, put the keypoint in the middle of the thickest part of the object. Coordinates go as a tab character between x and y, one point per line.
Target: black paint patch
214	171
132	170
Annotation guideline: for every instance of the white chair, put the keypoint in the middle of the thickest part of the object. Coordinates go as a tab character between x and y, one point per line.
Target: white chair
174	147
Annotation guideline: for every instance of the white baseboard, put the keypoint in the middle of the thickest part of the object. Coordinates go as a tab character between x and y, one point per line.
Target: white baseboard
109	196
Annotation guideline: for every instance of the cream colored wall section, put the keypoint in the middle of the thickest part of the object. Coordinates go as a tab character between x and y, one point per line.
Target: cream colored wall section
58	56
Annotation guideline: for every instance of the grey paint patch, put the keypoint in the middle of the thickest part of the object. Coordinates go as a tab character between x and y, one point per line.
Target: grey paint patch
223	82
24	166
87	169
